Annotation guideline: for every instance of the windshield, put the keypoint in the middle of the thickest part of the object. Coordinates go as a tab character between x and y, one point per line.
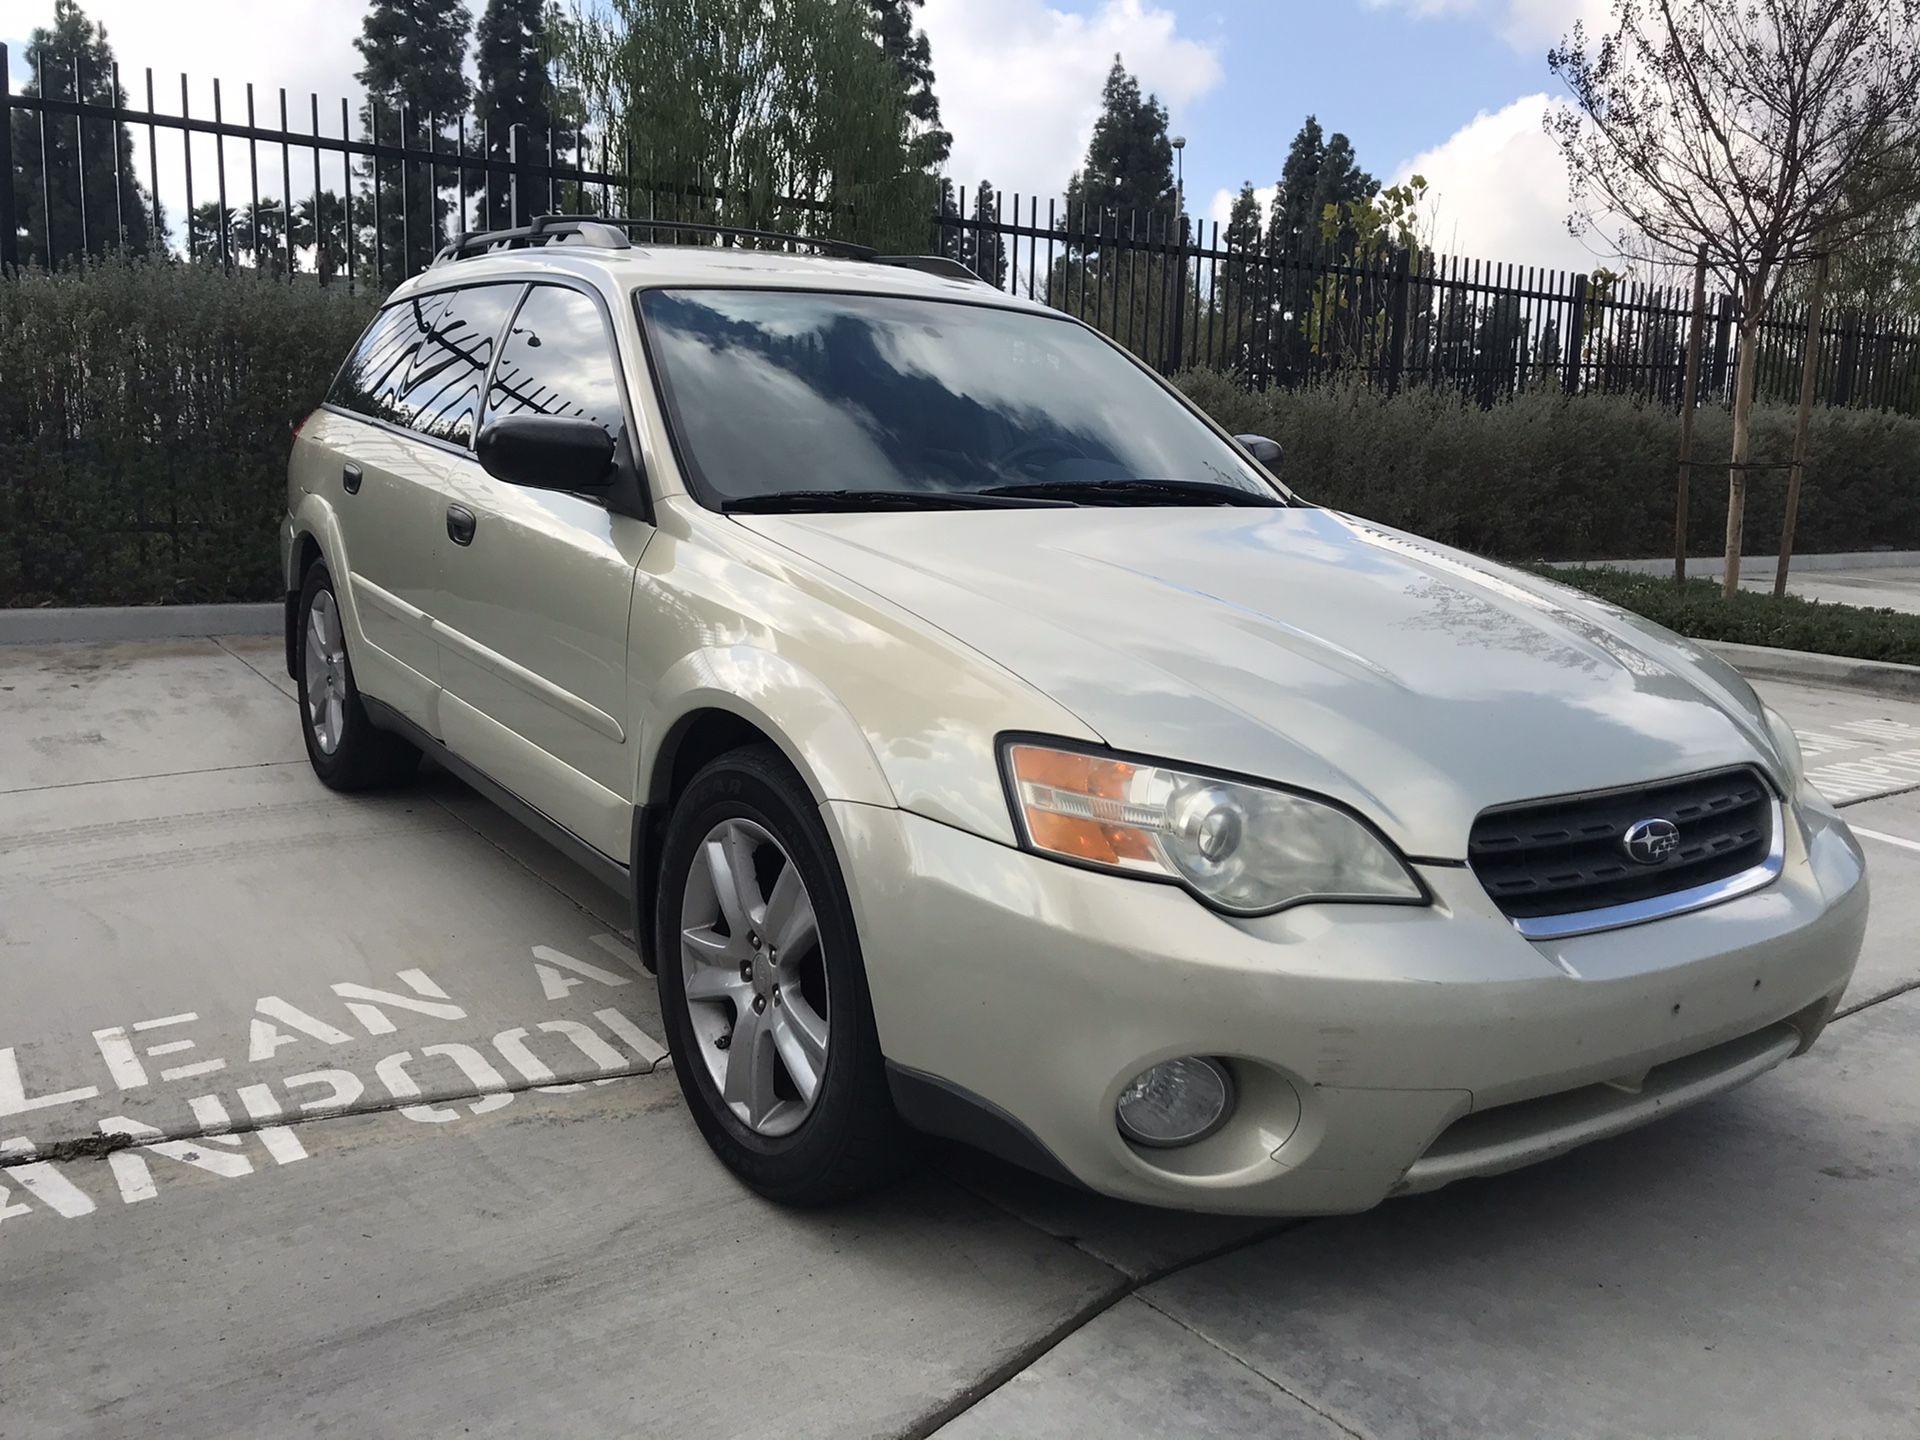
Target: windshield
779	392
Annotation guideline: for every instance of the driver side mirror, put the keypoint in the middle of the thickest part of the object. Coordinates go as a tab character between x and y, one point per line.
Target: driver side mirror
546	452
1266	451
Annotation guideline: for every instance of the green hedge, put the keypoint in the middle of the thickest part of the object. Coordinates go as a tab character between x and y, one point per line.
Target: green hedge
1789	623
145	409
1547	476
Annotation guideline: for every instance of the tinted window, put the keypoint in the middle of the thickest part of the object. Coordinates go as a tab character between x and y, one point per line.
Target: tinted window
778	390
370	382
558	360
441	396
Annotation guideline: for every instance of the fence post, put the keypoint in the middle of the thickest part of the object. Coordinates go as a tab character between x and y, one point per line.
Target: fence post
513	175
1848	363
1809	366
1690	394
1576	334
1722	345
1397	320
9	233
1177	351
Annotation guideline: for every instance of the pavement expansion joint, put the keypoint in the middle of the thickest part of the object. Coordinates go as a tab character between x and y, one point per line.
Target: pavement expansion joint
1895	993
1125	1285
1293	1395
98	1147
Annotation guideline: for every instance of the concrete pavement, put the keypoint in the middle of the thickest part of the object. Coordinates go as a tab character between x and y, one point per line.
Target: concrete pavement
409	1164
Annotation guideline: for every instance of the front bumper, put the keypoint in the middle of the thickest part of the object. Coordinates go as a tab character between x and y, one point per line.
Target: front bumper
1358	1033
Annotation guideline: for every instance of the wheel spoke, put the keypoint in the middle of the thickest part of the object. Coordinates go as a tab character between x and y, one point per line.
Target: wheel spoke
800	1035
730	866
750	1058
711	967
790	922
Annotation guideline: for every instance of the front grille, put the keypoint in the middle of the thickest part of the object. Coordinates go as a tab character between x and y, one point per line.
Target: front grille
1567	854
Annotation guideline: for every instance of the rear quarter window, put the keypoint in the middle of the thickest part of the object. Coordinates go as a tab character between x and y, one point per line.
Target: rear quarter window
369	383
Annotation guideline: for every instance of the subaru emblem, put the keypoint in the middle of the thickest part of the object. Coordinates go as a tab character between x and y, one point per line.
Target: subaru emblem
1651	841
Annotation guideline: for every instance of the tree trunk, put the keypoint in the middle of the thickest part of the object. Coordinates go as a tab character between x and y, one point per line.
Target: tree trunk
1742	443
1809	369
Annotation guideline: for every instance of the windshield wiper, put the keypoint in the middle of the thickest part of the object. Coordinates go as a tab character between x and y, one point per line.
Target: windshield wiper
804	501
1138	492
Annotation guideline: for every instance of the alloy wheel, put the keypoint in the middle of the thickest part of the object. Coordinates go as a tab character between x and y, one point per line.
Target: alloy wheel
754	977
326	672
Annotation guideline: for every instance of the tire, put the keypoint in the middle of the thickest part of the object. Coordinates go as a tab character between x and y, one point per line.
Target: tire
361	757
798	1150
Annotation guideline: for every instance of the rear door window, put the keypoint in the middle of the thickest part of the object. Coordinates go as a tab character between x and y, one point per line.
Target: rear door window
441	396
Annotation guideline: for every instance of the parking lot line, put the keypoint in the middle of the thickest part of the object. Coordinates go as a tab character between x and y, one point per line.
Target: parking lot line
1886	839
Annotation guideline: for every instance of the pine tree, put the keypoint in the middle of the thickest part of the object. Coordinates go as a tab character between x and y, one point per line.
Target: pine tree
907	48
1129	166
54	215
1241	290
413	54
513	90
1320	170
987	250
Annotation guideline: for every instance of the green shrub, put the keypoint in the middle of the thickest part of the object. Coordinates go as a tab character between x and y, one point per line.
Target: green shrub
1545	475
1789	623
145	410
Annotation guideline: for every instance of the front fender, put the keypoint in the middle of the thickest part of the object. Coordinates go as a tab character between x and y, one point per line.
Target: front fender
816	733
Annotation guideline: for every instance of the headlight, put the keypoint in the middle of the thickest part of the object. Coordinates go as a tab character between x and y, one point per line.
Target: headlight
1246	849
1787	745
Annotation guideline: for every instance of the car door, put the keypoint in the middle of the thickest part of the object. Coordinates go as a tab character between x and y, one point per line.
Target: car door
386	498
539	587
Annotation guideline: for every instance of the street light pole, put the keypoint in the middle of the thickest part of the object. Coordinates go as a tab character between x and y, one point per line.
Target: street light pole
1180	174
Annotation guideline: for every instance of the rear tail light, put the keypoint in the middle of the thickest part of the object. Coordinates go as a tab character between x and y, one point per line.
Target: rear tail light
301	424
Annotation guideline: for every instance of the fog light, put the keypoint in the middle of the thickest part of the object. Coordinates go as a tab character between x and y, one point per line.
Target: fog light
1177	1102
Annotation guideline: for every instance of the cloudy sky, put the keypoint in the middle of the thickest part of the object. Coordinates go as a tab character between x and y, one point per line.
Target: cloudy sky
1452	89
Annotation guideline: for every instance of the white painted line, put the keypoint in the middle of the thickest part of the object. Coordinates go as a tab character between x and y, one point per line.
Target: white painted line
1884	839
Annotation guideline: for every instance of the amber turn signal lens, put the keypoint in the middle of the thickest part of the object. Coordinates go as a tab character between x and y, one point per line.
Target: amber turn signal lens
1076	805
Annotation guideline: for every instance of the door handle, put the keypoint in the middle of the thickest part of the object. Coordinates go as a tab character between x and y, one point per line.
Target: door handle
350	477
460	524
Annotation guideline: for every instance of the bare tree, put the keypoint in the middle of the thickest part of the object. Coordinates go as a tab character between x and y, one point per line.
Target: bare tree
1762	129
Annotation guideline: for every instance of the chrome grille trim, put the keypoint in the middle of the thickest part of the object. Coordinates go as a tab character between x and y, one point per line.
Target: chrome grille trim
1678	902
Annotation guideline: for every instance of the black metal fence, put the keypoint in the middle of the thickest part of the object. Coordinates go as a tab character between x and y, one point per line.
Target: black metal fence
1174	293
366	199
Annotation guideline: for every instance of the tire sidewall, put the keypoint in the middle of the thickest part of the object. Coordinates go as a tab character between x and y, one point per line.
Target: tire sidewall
736	787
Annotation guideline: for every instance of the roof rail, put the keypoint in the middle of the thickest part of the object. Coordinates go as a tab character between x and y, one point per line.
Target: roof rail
931	265
582	229
611	234
844	248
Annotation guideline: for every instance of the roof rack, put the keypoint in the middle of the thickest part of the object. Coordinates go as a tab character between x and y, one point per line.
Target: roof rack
545	229
611	234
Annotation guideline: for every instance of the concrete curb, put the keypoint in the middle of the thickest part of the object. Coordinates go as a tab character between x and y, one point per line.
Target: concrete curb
172	622
1765	663
138	622
1711	567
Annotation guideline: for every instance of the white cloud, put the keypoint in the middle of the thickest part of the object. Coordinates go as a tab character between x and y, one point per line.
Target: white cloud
1220	208
1499	192
1019	81
1526	25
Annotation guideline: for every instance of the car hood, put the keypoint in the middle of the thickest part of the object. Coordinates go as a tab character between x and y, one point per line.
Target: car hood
1418	684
